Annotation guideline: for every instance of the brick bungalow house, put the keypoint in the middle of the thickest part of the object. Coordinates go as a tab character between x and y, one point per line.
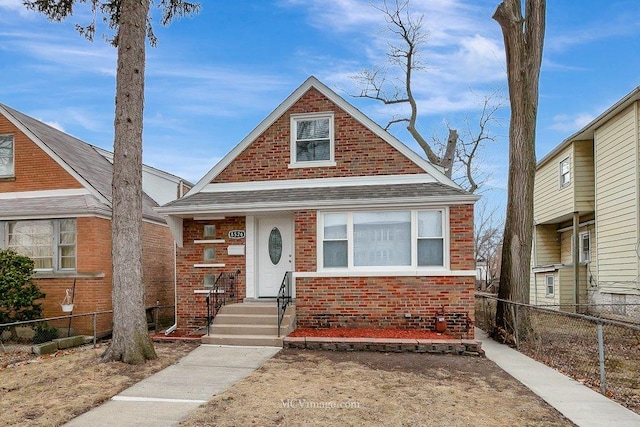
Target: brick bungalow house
55	207
373	234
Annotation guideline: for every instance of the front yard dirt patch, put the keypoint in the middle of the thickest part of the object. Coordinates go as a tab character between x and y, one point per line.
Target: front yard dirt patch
53	389
302	387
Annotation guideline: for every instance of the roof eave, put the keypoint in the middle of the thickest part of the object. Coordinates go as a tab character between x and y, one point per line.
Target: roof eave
587	131
318	204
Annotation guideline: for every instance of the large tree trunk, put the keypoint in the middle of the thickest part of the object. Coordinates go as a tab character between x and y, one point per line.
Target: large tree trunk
523	39
131	342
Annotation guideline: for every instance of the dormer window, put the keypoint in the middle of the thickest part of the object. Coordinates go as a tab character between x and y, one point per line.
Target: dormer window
312	140
6	156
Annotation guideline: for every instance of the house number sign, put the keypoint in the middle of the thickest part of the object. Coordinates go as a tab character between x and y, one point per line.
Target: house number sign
236	234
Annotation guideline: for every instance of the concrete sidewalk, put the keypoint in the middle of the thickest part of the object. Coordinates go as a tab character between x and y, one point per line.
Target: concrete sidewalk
577	402
166	398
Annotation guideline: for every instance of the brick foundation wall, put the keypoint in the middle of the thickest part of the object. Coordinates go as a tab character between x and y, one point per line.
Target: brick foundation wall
381	302
192	308
268	157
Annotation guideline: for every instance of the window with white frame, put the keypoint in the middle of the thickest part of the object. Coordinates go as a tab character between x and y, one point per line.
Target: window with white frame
565	172
550	281
6	156
397	239
585	247
51	244
312	140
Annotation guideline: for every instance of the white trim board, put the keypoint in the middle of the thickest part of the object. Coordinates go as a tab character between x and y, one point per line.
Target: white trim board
319	183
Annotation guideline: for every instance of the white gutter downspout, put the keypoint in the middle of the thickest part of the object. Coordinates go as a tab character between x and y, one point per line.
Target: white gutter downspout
173	327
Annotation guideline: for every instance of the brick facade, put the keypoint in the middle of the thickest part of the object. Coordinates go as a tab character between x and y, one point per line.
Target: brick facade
192	306
267	158
323	302
35	170
32	164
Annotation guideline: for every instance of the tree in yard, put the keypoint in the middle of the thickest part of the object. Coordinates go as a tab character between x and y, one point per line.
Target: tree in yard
488	241
523	39
459	152
132	24
18	292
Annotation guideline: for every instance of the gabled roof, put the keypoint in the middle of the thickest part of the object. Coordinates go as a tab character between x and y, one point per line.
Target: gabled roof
587	132
81	160
313	82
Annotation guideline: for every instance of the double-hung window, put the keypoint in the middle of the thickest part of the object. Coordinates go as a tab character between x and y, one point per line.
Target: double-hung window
51	244
6	156
565	172
312	140
585	247
370	240
550	282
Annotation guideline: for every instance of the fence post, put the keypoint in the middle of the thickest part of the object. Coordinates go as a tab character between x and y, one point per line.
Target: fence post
95	328
514	316
603	376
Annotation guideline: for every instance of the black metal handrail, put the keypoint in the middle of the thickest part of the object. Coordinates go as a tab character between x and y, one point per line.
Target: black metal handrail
224	291
284	297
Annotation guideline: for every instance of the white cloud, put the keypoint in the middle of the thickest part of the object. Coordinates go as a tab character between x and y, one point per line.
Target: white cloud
55	125
15	6
463	49
571	123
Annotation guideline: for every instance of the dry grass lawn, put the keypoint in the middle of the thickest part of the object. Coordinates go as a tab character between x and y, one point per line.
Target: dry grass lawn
51	390
301	387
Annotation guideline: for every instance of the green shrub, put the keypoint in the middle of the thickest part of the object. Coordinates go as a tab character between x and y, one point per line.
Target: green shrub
18	292
44	333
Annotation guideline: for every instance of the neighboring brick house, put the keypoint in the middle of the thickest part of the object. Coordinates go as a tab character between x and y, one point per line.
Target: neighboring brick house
55	207
374	235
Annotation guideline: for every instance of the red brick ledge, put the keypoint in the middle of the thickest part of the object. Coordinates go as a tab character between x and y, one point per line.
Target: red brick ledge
387	345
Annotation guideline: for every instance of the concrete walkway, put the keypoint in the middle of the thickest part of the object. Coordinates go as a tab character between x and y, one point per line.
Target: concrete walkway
166	398
577	402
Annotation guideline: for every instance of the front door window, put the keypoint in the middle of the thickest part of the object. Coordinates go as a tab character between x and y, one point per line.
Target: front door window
275	245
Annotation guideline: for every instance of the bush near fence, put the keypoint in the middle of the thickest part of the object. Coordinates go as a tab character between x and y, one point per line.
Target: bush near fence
19	336
569	343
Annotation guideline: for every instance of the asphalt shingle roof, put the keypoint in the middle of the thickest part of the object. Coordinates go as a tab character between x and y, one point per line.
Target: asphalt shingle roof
80	156
303	196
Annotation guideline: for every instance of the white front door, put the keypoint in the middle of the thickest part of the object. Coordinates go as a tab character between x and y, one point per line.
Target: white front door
274	253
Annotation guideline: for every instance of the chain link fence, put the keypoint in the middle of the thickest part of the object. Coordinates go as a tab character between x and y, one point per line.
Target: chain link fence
21	336
600	349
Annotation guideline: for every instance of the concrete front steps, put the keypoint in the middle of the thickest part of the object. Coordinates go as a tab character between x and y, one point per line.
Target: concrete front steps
250	323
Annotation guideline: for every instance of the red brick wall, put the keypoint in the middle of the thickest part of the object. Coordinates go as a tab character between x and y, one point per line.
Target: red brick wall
192	308
358	151
34	169
94	258
383	301
91	294
157	264
462	239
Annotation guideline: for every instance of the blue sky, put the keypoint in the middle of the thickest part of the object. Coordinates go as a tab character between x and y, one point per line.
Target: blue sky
214	77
